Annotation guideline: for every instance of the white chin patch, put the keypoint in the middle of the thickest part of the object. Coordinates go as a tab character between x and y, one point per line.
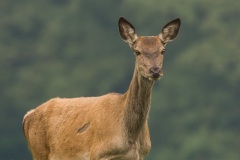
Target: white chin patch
153	79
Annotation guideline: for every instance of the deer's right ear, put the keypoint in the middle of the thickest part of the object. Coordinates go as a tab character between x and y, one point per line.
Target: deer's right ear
170	31
127	31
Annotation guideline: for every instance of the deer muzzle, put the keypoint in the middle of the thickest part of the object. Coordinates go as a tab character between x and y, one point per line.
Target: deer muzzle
156	73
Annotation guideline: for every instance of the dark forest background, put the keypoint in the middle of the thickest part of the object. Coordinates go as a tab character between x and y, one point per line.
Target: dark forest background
60	48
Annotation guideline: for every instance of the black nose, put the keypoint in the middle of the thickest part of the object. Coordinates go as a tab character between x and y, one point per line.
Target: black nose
155	71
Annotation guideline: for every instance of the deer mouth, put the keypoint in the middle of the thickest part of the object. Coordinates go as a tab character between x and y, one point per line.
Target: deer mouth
156	76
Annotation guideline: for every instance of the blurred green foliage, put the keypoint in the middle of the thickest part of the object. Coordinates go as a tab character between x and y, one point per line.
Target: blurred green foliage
53	48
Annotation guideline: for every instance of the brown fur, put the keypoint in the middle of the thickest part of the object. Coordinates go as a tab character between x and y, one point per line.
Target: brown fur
109	127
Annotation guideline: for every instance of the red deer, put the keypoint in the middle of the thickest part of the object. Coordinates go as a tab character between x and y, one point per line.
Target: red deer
109	127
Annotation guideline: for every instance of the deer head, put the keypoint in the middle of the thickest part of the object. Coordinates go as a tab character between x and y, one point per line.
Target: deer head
149	50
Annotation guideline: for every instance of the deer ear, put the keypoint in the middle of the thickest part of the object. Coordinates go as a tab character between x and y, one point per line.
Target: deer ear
127	31
170	31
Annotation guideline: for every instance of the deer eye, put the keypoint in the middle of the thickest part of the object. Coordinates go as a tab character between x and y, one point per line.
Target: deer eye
137	52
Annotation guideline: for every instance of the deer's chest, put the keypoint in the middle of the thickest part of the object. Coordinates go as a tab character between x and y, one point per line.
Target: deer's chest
121	148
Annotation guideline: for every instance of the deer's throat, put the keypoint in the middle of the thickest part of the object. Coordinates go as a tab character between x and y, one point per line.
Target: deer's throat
138	100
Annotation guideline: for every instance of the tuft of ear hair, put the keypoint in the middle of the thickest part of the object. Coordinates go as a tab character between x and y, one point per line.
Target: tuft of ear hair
170	31
127	31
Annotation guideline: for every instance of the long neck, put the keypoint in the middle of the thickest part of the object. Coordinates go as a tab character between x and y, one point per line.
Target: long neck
138	99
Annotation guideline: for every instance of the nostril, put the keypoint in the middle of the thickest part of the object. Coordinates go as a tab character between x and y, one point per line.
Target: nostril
154	70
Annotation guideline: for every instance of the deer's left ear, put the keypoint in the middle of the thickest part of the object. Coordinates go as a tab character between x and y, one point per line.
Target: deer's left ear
127	31
170	31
